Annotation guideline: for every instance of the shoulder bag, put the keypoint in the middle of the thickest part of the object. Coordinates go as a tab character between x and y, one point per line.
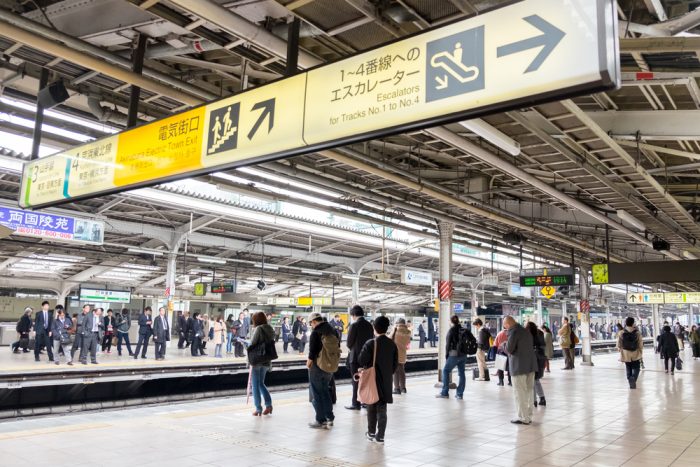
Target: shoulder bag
367	392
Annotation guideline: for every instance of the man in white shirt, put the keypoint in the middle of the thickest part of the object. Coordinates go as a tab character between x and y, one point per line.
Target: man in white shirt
161	333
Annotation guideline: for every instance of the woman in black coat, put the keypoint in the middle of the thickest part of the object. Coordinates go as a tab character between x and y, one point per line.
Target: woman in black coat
538	342
668	346
385	365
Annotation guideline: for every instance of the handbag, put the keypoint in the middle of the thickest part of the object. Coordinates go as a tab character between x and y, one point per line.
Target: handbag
65	339
679	364
367	392
262	353
501	362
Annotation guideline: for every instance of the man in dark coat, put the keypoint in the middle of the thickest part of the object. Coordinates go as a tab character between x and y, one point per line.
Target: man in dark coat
523	365
182	328
161	333
43	325
387	360
359	332
421	334
24	327
145	331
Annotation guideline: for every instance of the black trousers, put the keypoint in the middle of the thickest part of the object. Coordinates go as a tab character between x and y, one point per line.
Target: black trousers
633	370
195	348
376	419
77	344
160	349
143	340
353	367
42	339
673	363
421	342
181	342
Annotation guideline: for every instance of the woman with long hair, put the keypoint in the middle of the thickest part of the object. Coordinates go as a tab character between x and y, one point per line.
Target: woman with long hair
263	335
538	341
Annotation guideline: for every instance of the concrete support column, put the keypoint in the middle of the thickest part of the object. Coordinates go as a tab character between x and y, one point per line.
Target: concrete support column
585	325
538	313
445	229
355	296
170	275
656	319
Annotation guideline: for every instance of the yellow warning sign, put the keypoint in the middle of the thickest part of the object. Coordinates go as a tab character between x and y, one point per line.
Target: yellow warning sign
548	291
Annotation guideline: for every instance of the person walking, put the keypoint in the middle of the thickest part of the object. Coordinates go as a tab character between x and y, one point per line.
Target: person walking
565	342
401	336
668	344
286	334
679	331
548	346
483	343
694	339
381	353
61	338
631	347
182	328
43	325
145	331
359	332
161	333
92	323
421	334
197	331
229	335
500	344
23	328
456	357
263	335
110	325
539	347
322	338
523	365
219	336
123	326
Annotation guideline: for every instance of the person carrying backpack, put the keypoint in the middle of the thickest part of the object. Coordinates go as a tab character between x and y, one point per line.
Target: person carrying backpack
322	362
459	343
263	337
631	347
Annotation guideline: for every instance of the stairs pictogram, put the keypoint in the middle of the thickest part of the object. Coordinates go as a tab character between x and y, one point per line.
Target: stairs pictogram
232	131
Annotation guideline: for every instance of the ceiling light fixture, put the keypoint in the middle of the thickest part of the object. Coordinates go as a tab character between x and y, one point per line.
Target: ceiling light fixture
492	135
207	259
144	251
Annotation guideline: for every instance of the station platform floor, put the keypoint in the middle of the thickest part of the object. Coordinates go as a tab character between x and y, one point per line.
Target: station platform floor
174	357
591	419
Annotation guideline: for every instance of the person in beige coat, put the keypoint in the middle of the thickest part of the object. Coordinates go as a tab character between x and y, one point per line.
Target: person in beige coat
631	348
566	344
219	335
402	338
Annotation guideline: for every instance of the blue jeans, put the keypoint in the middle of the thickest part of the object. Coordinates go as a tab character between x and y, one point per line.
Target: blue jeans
319	384
125	337
229	342
258	383
450	364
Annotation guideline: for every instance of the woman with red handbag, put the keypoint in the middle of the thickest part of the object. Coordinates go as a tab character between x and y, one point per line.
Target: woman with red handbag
379	358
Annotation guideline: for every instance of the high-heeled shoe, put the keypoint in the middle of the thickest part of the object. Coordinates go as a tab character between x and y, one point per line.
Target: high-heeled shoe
267	411
256	414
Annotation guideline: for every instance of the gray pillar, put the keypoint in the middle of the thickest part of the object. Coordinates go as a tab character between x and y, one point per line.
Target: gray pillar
355	297
656	319
585	325
446	229
539	319
170	275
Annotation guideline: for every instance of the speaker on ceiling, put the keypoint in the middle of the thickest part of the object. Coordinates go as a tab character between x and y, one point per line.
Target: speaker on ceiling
52	95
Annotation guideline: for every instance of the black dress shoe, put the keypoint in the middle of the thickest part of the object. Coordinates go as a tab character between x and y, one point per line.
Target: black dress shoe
353	407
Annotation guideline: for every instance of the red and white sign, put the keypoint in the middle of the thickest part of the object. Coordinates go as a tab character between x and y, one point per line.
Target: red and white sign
585	306
167	292
445	290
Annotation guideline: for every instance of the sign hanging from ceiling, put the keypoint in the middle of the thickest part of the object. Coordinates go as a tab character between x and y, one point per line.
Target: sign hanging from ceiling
529	52
414	277
104	296
554	277
668	298
52	226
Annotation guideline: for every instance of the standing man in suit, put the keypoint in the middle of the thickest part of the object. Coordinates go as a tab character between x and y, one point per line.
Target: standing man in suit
145	329
78	342
421	334
161	333
92	323
43	326
359	332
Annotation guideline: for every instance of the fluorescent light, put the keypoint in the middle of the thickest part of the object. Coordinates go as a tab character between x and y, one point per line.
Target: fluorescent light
492	135
200	271
266	266
144	251
207	259
689	255
347	276
313	273
631	220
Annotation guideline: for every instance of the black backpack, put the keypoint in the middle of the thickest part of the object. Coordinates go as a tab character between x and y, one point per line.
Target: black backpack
629	340
467	342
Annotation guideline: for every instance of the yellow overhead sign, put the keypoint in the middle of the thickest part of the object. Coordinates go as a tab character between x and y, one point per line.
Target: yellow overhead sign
529	52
